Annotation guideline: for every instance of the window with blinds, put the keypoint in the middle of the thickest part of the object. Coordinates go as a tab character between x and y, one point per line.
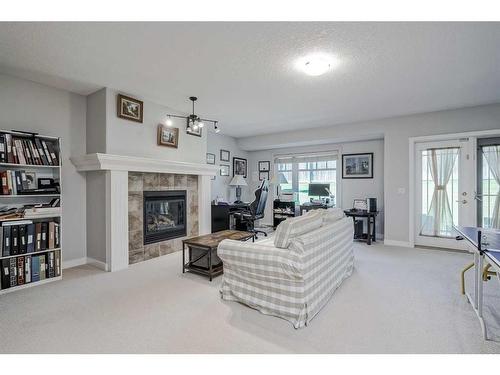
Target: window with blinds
300	170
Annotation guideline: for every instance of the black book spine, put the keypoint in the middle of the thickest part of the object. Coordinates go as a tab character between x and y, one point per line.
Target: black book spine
51	260
6	241
3	149
23	240
41	152
14	234
44	232
5	273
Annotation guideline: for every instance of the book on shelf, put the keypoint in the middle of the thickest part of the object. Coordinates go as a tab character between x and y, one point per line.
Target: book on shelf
29	269
15	182
28	149
25	236
30	236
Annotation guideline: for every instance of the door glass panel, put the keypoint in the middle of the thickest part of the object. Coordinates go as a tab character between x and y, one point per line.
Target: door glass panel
439	209
489	188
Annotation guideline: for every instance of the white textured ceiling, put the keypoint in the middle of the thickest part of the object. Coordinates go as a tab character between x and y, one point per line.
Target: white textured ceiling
244	74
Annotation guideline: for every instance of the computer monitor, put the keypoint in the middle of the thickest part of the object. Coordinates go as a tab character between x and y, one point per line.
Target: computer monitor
319	190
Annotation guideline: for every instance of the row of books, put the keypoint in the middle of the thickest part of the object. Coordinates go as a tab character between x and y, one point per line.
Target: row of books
25	236
21	150
17	183
30	269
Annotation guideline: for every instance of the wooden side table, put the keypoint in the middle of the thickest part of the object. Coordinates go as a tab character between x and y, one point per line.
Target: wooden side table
370	218
206	246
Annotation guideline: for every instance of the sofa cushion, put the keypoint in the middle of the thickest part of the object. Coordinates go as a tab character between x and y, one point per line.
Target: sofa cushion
295	227
331	215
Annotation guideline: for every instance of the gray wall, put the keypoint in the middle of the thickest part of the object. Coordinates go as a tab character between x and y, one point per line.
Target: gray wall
96	122
124	137
396	132
220	186
349	189
28	106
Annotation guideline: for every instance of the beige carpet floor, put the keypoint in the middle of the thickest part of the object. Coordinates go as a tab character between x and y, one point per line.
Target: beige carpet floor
398	300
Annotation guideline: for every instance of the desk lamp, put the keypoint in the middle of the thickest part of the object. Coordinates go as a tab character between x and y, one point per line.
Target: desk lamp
238	181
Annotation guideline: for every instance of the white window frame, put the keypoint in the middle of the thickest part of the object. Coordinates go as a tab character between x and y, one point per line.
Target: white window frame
295	170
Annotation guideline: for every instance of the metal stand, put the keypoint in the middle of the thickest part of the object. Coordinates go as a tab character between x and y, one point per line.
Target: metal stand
477	301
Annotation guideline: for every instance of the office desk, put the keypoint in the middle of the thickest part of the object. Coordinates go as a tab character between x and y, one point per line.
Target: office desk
221	215
314	206
486	244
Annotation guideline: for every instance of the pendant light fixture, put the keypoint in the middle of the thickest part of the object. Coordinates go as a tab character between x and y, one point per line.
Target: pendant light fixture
193	121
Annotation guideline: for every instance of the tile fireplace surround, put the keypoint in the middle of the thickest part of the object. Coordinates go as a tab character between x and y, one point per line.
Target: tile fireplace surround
137	184
118	181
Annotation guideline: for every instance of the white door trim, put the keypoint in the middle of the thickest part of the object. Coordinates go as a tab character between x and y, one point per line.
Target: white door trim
412	141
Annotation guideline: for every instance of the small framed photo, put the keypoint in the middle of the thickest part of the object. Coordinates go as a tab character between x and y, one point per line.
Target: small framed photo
224	170
224	155
357	165
240	167
264	166
31	180
263	175
360	204
167	136
210	158
129	108
191	131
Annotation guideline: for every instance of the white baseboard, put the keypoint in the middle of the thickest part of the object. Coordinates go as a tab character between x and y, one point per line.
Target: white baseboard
74	262
97	263
397	243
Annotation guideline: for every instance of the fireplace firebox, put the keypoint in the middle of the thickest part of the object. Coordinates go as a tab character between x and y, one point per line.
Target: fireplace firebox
164	215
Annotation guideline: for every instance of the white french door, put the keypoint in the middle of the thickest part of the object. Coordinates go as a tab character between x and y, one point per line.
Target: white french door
444	192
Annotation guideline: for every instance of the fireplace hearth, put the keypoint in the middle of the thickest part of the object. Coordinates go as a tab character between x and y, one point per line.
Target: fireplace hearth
164	215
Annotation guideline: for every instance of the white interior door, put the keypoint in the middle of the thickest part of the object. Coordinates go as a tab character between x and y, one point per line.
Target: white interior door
444	194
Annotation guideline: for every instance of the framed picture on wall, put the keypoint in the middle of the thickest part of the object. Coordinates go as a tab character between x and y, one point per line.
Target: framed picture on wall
129	108
224	155
168	136
210	158
264	166
263	175
240	167
224	170
357	165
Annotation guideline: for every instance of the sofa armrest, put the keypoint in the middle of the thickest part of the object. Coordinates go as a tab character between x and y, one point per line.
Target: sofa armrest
255	259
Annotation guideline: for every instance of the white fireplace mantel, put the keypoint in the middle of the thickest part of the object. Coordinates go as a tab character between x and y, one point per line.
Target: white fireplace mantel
116	168
99	162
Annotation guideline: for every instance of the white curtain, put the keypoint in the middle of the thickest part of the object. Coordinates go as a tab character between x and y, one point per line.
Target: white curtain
439	221
492	156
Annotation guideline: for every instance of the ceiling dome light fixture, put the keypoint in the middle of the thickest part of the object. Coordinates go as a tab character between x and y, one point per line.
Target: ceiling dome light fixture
193	122
315	65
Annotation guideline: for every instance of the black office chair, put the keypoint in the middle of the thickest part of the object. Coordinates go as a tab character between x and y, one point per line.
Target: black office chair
245	219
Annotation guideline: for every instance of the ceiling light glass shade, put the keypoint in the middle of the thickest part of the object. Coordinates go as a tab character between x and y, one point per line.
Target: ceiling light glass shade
169	122
195	127
201	124
217	130
316	64
316	67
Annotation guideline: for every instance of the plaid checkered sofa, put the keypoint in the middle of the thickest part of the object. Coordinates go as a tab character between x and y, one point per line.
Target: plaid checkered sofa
294	274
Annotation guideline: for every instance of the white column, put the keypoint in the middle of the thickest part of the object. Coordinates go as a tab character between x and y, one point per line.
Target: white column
204	205
116	220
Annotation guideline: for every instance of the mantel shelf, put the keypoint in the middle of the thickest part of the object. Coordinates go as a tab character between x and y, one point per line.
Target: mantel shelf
99	162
